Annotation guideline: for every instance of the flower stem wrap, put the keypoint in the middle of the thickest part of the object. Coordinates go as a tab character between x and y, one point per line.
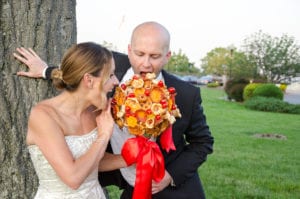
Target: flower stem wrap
149	164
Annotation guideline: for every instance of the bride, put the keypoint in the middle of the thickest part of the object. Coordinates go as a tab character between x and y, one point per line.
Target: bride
68	134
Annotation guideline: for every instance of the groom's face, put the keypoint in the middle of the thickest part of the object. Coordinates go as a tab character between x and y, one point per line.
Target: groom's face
148	54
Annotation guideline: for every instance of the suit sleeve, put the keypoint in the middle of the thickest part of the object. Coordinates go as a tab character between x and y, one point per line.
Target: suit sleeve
121	61
198	137
49	71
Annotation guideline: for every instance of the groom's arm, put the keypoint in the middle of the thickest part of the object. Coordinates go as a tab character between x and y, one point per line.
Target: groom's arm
37	67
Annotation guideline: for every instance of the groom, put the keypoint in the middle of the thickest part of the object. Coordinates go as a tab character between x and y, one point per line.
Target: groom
149	52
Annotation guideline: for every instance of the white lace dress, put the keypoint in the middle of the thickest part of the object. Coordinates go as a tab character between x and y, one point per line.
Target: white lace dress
51	186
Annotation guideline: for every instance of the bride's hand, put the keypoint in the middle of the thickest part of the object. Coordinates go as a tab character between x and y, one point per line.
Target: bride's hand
105	121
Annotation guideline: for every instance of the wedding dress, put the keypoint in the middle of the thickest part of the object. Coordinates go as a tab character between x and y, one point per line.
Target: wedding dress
51	186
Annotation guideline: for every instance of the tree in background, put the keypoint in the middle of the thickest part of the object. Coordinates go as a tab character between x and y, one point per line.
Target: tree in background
276	58
215	61
49	27
227	61
180	64
239	66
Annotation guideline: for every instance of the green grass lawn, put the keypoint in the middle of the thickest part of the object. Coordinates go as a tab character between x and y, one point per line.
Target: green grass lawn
244	166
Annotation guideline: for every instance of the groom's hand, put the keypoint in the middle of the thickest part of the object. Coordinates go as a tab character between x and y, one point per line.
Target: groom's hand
34	63
159	186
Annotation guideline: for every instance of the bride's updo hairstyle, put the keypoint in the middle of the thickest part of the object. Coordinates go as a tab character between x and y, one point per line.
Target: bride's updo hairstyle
82	58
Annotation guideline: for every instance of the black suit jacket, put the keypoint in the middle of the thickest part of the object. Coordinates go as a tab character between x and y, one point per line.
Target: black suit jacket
191	136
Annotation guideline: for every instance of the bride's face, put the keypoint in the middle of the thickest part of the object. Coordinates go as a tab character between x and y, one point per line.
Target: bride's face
104	85
111	81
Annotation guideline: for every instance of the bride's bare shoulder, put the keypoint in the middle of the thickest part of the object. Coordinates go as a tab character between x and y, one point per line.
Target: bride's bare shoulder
43	108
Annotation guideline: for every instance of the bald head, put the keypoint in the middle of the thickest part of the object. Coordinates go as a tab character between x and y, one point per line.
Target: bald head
149	48
151	31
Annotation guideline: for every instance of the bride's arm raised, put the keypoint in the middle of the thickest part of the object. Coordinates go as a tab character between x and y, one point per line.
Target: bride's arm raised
45	132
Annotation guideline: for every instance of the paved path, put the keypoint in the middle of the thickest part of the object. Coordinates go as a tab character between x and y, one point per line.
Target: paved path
292	98
292	94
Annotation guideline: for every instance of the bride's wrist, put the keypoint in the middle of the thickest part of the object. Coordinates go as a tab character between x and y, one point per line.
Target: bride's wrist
102	138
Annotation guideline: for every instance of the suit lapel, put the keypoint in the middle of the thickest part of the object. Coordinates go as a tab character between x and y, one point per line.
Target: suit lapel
168	79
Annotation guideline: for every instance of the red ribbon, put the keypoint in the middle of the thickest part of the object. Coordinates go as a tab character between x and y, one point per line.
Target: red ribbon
166	140
149	164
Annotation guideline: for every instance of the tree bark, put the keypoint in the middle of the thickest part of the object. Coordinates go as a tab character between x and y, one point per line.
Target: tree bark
49	27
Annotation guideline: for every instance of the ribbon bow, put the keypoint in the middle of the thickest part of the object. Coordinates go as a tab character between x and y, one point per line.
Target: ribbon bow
149	161
149	164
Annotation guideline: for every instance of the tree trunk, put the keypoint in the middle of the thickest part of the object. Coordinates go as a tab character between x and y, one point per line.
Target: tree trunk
49	27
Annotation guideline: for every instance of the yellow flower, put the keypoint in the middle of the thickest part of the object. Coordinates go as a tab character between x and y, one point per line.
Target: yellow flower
131	121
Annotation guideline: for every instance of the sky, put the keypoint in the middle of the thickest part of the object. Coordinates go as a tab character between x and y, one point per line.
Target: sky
196	26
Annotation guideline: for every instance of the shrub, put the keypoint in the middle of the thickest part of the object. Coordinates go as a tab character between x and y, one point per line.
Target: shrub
270	104
236	92
268	90
283	87
234	89
213	84
248	90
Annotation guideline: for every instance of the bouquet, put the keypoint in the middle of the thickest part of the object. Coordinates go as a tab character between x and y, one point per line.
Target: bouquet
147	108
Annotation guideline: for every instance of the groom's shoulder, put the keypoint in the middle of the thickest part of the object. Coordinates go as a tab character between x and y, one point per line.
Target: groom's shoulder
121	59
120	56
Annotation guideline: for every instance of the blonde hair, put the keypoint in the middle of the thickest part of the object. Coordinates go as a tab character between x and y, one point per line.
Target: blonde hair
80	59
